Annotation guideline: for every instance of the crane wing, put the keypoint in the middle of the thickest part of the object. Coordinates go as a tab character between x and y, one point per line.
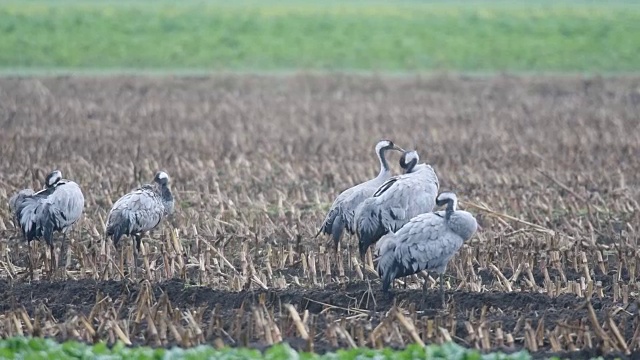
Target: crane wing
425	243
386	185
333	223
18	198
351	203
406	200
140	209
65	204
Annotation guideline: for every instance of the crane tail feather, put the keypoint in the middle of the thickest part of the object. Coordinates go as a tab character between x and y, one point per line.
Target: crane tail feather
366	239
28	211
48	226
118	229
387	270
336	231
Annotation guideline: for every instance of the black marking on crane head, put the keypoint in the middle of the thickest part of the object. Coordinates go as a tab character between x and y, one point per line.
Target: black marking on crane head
161	178
445	197
409	160
53	178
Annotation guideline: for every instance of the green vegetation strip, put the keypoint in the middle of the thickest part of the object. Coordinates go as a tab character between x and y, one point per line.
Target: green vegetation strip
38	348
273	35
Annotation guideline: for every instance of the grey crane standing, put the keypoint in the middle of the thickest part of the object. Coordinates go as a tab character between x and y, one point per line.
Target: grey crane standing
57	207
140	211
427	242
396	201
341	212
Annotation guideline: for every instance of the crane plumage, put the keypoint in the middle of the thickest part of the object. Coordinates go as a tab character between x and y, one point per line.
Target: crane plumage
340	214
396	201
57	207
140	210
17	199
427	242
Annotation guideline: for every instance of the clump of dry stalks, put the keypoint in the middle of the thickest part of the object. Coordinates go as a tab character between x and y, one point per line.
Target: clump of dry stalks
549	165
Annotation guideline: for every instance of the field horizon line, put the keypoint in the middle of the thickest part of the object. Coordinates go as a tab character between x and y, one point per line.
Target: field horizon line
184	72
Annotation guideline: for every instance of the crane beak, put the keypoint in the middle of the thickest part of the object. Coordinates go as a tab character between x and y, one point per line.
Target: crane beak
398	148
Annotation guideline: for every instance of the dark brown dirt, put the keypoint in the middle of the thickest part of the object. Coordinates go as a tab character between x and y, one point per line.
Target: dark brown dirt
65	299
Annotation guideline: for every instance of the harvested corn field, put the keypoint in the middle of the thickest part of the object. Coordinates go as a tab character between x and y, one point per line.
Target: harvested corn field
549	166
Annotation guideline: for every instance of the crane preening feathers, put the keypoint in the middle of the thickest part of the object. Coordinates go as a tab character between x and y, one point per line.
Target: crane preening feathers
341	213
396	201
57	207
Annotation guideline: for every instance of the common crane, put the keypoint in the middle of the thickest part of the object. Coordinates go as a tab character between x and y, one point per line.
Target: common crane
140	210
341	212
57	207
427	242
396	201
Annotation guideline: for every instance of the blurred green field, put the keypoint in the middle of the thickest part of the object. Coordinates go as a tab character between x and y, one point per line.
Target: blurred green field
274	35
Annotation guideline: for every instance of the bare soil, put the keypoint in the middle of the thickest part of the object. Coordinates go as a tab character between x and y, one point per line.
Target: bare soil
66	299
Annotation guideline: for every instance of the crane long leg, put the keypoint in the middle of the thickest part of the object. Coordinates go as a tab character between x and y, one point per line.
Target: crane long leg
442	290
30	259
53	258
136	252
63	251
121	263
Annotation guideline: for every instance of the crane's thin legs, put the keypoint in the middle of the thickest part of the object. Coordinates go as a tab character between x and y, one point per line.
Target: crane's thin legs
135	262
53	258
122	262
30	259
137	252
444	304
134	250
63	251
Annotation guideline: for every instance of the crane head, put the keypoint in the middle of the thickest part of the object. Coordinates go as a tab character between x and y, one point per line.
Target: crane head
161	178
409	160
447	197
387	145
53	178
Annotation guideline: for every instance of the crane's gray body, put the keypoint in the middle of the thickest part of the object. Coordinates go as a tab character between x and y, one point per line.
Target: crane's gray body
140	210
55	208
361	192
397	201
341	213
427	242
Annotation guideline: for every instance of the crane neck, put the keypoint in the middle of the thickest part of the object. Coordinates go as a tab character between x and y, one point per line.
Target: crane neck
451	208
412	166
384	166
167	198
165	193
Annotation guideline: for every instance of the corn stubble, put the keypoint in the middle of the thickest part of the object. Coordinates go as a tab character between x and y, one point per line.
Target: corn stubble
550	166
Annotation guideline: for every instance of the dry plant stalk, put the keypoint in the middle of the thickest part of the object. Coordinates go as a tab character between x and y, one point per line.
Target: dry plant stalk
302	329
508	217
408	325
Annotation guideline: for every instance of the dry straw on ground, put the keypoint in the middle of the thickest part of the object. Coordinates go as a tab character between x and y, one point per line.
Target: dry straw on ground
551	167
